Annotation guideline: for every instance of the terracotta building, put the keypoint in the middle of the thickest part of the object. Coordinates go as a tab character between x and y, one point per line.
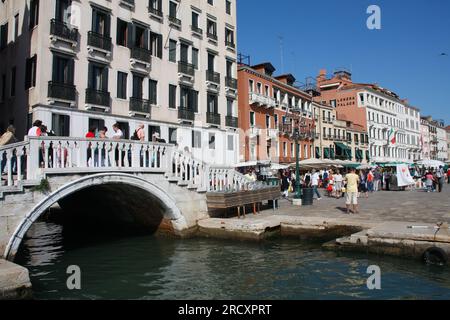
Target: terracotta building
266	121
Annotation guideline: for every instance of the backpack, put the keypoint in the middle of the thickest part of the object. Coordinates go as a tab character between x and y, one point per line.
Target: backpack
135	136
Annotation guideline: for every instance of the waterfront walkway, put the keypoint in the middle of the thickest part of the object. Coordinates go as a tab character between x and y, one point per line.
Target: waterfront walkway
410	206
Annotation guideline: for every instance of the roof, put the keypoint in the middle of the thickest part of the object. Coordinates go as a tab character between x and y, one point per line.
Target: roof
266	65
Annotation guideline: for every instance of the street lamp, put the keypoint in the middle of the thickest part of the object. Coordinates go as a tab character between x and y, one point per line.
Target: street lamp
296	133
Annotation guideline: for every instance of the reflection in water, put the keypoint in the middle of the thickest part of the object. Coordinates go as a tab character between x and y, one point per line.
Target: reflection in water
150	268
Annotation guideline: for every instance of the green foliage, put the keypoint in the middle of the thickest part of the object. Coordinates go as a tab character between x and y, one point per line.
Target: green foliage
44	186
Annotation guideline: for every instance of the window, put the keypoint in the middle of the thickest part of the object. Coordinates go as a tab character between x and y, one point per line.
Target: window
153	92
122	33
195	58
172	51
172	96
196	139
172	9
252	119
230	65
184	52
98	77
3	36
195	20
230	107
211	62
212	141
122	85
212	104
285	149
138	82
16	27
250	85
34	13
173	135
101	22
229	37
211	2
267	121
61	125
13	82
230	144
188	99
30	74
212	28
156	44
156	6
63	69
228	6
275	118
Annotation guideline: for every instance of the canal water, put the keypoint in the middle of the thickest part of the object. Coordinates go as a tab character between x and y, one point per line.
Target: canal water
144	267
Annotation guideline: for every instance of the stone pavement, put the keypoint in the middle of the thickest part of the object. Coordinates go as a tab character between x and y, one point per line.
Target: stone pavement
408	206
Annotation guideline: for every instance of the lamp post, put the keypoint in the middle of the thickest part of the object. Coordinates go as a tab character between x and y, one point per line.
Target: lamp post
297	133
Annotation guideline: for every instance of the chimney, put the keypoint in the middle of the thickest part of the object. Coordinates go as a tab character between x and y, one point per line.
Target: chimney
322	76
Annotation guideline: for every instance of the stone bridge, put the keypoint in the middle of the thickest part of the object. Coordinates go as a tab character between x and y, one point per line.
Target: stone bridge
151	185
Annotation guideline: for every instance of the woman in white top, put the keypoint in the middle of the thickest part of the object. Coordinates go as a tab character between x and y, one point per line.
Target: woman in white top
118	134
338	184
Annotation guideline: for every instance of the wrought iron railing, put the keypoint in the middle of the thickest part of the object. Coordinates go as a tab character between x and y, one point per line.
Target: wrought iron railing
96	97
99	41
62	30
61	91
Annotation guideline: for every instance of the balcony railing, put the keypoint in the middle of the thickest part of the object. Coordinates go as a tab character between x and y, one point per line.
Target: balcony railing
213	118
139	105
186	114
230	44
212	36
141	54
197	29
96	97
99	41
186	68
213	76
174	20
156	12
231	121
231	83
61	91
62	30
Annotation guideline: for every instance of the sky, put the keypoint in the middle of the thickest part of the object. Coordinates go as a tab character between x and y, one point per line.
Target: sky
403	56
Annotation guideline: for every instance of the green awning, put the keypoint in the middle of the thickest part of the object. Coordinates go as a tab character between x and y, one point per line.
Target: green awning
342	146
348	153
332	153
326	153
317	152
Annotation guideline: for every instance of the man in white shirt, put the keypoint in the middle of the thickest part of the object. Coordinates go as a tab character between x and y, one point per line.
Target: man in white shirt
315	184
118	134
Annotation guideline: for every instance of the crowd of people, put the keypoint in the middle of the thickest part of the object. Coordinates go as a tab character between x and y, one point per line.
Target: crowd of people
353	184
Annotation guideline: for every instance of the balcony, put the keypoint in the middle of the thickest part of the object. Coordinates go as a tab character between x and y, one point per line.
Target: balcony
231	83
139	106
128	3
213	118
231	122
61	31
185	114
230	44
212	36
254	132
174	22
261	100
273	133
141	57
212	79
61	91
157	13
97	98
99	42
186	68
196	30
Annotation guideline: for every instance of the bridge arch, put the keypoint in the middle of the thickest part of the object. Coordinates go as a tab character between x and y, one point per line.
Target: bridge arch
120	180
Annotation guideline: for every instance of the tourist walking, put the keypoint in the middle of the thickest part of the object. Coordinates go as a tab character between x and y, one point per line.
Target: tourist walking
448	175
338	185
370	181
440	175
377	180
352	181
315	178
363	184
285	185
429	181
387	180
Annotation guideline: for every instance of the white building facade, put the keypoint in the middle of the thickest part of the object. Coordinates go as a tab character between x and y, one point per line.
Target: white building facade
442	145
386	117
412	130
167	64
